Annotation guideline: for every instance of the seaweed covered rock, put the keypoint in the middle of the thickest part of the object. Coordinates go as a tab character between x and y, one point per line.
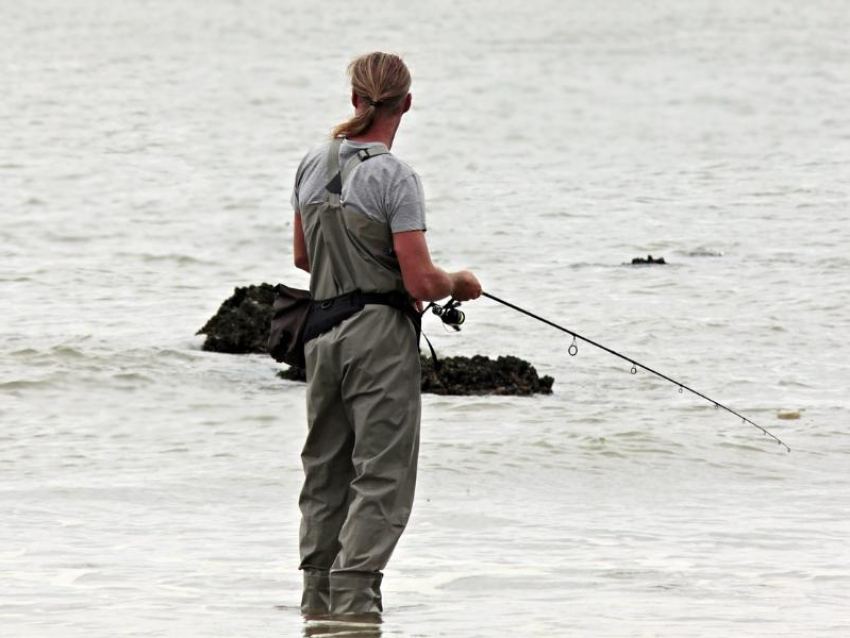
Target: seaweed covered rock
293	374
472	375
241	325
483	375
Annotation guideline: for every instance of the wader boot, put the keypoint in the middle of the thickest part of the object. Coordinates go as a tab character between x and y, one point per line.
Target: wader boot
356	594
316	597
363	405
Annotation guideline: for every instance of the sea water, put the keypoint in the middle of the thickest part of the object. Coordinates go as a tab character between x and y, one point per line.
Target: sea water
147	153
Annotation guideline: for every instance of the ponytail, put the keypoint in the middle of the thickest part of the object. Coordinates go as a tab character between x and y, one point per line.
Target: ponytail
380	79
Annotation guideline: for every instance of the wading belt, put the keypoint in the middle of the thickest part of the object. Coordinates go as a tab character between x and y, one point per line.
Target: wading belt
329	313
325	315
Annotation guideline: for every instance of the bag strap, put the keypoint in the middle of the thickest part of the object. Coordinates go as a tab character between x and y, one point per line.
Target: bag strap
437	364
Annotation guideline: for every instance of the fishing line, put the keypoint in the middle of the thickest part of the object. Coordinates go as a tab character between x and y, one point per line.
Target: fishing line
573	351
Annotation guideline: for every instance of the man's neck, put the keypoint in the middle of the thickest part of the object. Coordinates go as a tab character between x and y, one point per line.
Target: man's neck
382	131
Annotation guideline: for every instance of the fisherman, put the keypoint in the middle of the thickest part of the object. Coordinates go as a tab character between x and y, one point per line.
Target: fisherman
360	226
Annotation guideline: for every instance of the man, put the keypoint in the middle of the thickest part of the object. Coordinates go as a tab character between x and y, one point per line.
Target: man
360	232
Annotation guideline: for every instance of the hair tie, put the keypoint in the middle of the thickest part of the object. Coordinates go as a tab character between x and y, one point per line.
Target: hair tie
375	103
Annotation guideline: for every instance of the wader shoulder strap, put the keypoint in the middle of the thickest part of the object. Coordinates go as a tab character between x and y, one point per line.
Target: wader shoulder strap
334	185
337	177
332	231
339	258
333	157
361	156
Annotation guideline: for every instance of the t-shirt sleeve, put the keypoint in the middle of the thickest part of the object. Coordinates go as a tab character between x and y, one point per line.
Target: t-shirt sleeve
406	205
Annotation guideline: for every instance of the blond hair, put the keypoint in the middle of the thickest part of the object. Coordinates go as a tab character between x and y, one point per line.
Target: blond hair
380	79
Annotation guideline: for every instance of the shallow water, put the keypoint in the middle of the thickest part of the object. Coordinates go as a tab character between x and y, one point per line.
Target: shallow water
149	488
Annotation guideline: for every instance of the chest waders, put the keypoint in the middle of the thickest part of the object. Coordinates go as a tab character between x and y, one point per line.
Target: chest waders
363	404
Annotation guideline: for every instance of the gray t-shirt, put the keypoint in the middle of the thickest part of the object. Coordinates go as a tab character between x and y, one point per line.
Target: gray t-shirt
382	188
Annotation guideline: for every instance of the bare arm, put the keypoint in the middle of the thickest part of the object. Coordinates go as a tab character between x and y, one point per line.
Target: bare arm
422	279
299	245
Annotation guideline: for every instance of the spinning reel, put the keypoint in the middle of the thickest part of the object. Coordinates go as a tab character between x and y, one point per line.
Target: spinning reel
449	313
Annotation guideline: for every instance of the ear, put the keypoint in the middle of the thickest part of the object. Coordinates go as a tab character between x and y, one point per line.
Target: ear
408	101
355	99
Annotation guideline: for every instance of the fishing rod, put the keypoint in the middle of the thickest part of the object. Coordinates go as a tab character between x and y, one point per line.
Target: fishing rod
573	351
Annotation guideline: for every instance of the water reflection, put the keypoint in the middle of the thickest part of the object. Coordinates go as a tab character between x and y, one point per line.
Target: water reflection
349	627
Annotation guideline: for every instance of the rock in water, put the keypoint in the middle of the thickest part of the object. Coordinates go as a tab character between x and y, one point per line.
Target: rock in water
650	260
483	375
241	325
472	376
293	374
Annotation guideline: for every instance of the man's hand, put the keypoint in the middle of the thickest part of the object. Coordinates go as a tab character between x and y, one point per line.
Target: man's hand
465	286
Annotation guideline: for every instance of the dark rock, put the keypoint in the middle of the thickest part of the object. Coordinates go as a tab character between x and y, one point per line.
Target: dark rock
639	261
472	376
241	325
293	374
483	375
